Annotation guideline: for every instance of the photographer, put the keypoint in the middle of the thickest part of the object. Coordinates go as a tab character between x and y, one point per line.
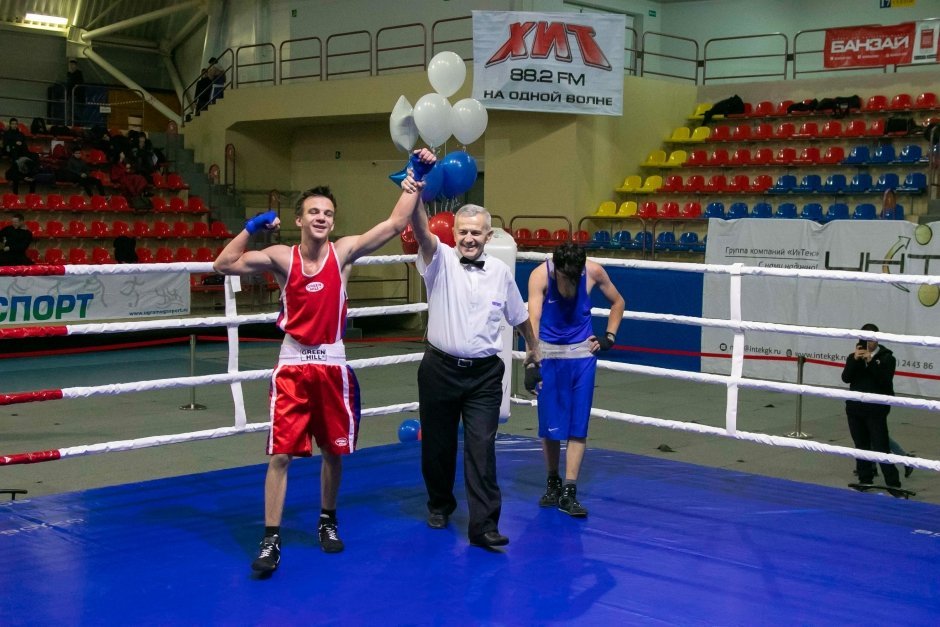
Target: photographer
870	368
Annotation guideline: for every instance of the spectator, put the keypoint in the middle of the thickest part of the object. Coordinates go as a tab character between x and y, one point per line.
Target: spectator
15	239
79	172
14	141
125	249
74	77
870	368
131	184
143	159
23	168
216	76
38	127
203	90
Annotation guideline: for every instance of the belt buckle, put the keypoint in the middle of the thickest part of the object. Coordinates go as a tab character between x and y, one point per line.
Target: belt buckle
464	363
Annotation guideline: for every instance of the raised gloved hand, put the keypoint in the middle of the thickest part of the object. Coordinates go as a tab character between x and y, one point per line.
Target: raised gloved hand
607	341
261	221
533	377
418	167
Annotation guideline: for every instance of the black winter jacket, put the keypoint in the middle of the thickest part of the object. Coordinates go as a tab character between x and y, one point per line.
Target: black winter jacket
876	377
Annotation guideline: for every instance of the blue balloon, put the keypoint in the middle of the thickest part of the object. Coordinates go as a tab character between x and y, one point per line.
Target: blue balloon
409	430
460	171
433	181
398	177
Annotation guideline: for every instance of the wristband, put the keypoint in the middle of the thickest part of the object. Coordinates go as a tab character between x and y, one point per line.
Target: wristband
261	221
419	168
607	341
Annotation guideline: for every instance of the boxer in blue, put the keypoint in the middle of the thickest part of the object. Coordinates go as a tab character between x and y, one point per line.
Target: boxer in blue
560	313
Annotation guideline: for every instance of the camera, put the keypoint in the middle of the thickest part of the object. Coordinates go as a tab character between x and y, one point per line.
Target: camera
862	344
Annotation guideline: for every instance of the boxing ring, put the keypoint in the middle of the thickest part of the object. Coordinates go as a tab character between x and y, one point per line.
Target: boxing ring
666	542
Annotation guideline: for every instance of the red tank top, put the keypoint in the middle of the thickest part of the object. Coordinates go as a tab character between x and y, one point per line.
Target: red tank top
313	308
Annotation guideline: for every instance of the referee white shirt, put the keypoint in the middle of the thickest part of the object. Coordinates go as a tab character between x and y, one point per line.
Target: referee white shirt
467	305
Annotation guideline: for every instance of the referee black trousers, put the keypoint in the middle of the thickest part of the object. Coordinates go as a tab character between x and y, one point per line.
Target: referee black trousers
450	389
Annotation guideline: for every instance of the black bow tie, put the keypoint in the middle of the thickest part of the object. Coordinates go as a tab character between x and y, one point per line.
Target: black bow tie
472	262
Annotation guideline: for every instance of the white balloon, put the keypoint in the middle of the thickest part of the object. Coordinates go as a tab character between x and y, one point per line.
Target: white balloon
470	120
432	114
401	125
447	71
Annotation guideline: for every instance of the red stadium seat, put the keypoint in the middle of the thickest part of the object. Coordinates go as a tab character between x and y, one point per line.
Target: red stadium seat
669	209
101	255
119	203
161	229
34	227
648	209
763	131
855	128
141	229
99	203
77	203
77	228
55	202
741	133
878	102
183	254
54	256
177	205
691	210
158	181
144	255
175	182
181	229
204	253
560	236
200	229
164	255
54	228
807	130
218	229
11	201
741	157
195	205
99	229
120	227
158	204
926	100
34	202
762	109
522	236
78	255
901	102
763	156
831	129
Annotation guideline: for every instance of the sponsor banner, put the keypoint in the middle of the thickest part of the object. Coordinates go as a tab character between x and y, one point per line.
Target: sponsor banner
893	247
925	44
65	299
868	46
552	62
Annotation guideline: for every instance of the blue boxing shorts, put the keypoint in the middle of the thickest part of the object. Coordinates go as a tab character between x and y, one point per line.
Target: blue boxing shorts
567	390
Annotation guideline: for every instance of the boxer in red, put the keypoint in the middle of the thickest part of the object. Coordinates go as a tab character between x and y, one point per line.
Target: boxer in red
313	391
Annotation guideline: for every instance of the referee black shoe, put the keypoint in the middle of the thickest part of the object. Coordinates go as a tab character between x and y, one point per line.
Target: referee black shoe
269	555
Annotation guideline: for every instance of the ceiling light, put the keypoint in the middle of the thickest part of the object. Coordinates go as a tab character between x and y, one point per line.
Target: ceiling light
47	19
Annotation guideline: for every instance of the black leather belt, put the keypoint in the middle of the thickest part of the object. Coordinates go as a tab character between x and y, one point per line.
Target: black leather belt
462	362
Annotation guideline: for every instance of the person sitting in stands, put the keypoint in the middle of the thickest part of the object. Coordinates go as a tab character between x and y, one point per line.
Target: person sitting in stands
14	240
131	184
79	172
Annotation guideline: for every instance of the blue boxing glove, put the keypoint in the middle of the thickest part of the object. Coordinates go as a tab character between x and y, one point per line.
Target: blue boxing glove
533	377
418	167
261	221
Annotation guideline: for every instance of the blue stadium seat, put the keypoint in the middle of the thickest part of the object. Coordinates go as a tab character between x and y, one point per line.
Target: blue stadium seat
715	210
643	241
860	184
621	239
893	214
600	239
911	153
786	211
809	184
835	184
688	240
762	210
812	211
666	240
914	183
888	180
837	211
737	210
857	156
865	211
883	153
784	185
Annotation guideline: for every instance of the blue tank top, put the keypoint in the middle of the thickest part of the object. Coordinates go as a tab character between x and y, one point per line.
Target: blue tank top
565	321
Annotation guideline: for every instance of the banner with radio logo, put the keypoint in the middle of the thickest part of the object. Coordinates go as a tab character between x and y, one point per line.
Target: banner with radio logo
552	62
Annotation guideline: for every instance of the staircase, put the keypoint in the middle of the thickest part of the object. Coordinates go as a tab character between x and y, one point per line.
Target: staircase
224	202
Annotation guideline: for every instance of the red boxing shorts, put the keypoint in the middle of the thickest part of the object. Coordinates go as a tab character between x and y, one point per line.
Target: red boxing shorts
314	395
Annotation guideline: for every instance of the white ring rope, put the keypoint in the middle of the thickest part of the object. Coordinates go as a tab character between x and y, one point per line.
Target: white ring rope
235	377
